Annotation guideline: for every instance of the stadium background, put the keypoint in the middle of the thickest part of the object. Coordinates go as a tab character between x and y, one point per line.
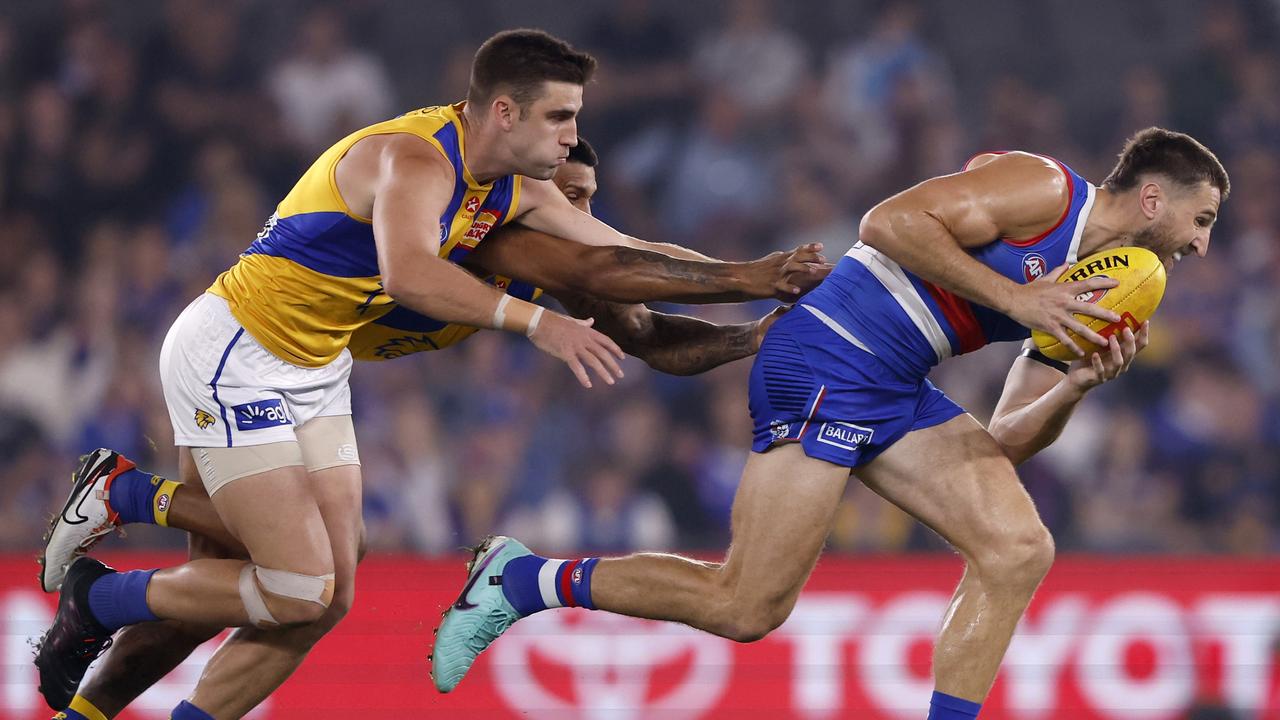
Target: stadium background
142	145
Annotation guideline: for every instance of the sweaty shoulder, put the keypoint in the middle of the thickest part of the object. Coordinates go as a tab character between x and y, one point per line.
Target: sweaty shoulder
1025	194
375	159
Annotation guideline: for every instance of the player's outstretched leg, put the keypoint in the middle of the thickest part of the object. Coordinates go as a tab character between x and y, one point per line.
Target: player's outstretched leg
954	478
289	582
781	516
143	654
107	491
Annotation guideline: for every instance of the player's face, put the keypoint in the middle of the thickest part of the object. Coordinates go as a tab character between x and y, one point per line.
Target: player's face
578	183
545	129
1183	223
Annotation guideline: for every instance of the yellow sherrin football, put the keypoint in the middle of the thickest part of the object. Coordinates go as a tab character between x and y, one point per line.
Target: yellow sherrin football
1141	277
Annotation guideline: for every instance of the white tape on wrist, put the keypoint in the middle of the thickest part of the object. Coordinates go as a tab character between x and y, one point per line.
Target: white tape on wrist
533	321
500	314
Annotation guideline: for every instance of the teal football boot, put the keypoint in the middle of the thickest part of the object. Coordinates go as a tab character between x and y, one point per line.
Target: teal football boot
480	614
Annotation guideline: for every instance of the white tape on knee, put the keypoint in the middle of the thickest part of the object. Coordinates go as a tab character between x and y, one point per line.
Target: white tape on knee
254	604
312	588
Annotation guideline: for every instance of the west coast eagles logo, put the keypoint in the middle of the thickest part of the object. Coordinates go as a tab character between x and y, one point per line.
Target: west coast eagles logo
204	419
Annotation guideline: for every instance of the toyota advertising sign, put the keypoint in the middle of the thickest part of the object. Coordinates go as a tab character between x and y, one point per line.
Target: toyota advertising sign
1104	638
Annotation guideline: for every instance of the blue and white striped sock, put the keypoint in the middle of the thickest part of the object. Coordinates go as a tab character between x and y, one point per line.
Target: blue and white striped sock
532	583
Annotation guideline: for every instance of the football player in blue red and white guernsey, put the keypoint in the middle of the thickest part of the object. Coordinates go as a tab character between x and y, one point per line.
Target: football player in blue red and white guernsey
839	388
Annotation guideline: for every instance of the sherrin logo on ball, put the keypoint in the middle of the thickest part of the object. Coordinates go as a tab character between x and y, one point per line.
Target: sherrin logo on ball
1141	277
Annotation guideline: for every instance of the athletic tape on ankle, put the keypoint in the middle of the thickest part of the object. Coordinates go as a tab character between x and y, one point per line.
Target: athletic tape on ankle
312	588
254	604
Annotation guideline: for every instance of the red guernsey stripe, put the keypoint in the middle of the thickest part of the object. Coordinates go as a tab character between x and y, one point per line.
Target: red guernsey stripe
959	313
566	588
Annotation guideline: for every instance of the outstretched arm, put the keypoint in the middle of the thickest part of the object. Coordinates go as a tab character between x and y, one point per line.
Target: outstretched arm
1040	395
629	275
673	344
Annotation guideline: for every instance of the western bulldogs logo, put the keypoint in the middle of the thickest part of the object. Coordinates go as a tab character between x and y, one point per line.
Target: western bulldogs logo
780	430
1034	266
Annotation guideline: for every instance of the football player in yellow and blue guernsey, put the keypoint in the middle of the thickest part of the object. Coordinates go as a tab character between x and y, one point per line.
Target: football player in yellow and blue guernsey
255	370
603	283
839	387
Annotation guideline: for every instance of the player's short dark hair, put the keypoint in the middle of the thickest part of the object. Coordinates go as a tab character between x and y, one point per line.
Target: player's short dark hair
519	61
583	153
1175	155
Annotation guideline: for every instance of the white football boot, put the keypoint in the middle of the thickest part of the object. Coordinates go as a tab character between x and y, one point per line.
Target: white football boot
85	518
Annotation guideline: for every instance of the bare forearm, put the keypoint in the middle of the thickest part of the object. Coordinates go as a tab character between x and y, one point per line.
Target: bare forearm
682	345
1033	427
445	292
674	344
635	276
676	251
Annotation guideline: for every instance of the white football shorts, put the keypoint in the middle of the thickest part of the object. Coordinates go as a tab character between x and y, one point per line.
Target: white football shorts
224	389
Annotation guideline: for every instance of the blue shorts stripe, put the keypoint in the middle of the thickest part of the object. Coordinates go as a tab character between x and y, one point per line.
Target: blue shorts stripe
214	383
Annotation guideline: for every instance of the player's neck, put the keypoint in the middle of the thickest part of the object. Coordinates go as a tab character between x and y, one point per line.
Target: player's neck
1109	224
483	157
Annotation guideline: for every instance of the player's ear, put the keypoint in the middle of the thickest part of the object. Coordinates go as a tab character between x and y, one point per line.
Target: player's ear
1151	198
504	111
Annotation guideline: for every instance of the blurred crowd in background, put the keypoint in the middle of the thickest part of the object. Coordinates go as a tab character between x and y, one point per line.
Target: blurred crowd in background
143	144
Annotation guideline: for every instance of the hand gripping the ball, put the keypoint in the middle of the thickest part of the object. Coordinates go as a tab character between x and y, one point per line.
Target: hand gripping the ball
1125	280
1110	362
1051	307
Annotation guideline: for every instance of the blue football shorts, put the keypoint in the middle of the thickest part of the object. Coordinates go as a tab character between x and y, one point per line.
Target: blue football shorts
840	402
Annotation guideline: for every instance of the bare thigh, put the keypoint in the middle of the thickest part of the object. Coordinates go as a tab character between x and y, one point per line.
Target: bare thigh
277	516
955	479
781	517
